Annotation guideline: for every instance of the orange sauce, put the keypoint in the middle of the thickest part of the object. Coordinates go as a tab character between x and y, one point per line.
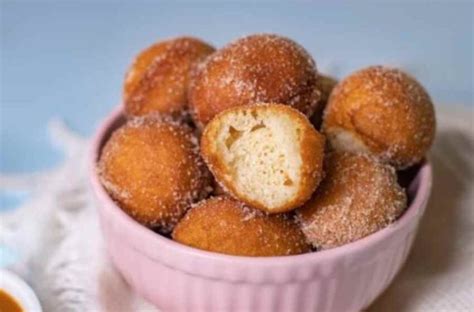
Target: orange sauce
8	303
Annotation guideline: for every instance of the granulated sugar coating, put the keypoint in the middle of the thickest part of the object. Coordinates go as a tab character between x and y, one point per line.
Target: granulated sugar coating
257	68
152	168
224	225
157	81
381	111
358	197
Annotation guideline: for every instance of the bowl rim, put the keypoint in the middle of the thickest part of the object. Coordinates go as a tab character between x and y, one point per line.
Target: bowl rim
16	287
411	214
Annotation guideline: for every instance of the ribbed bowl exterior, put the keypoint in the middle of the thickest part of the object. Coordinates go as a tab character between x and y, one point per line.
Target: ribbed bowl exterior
175	277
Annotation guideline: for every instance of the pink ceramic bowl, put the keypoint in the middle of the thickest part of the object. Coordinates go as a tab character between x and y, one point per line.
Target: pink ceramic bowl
179	278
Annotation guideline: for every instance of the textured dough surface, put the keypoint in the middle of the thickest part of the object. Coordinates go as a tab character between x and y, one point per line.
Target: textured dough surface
157	81
256	68
152	168
358	197
386	111
225	225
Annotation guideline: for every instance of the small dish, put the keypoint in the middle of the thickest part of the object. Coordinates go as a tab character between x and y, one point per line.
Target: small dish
176	277
20	291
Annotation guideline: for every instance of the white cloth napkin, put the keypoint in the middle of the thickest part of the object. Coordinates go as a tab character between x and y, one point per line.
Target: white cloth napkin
61	253
57	239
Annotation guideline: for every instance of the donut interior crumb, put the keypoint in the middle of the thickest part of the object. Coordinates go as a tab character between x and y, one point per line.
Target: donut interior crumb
345	140
261	151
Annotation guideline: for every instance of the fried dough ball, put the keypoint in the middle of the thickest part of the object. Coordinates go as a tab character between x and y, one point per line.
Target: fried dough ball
225	225
157	81
266	155
152	168
257	68
358	197
325	84
381	111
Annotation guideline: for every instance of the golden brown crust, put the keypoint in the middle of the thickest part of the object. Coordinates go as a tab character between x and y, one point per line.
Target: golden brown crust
325	84
312	153
224	225
157	81
358	196
152	168
385	109
257	68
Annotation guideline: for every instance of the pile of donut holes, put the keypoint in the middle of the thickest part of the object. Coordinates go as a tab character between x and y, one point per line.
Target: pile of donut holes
376	122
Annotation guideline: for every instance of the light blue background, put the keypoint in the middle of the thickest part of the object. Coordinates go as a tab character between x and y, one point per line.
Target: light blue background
68	59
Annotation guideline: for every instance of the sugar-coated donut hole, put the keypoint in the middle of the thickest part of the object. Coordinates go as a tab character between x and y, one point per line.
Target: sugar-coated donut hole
225	225
358	196
152	168
157	81
256	68
381	111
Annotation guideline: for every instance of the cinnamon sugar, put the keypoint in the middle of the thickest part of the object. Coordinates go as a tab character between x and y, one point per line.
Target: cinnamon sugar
257	68
358	197
136	159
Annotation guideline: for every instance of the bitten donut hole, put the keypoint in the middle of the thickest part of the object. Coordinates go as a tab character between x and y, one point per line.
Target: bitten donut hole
262	152
267	155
